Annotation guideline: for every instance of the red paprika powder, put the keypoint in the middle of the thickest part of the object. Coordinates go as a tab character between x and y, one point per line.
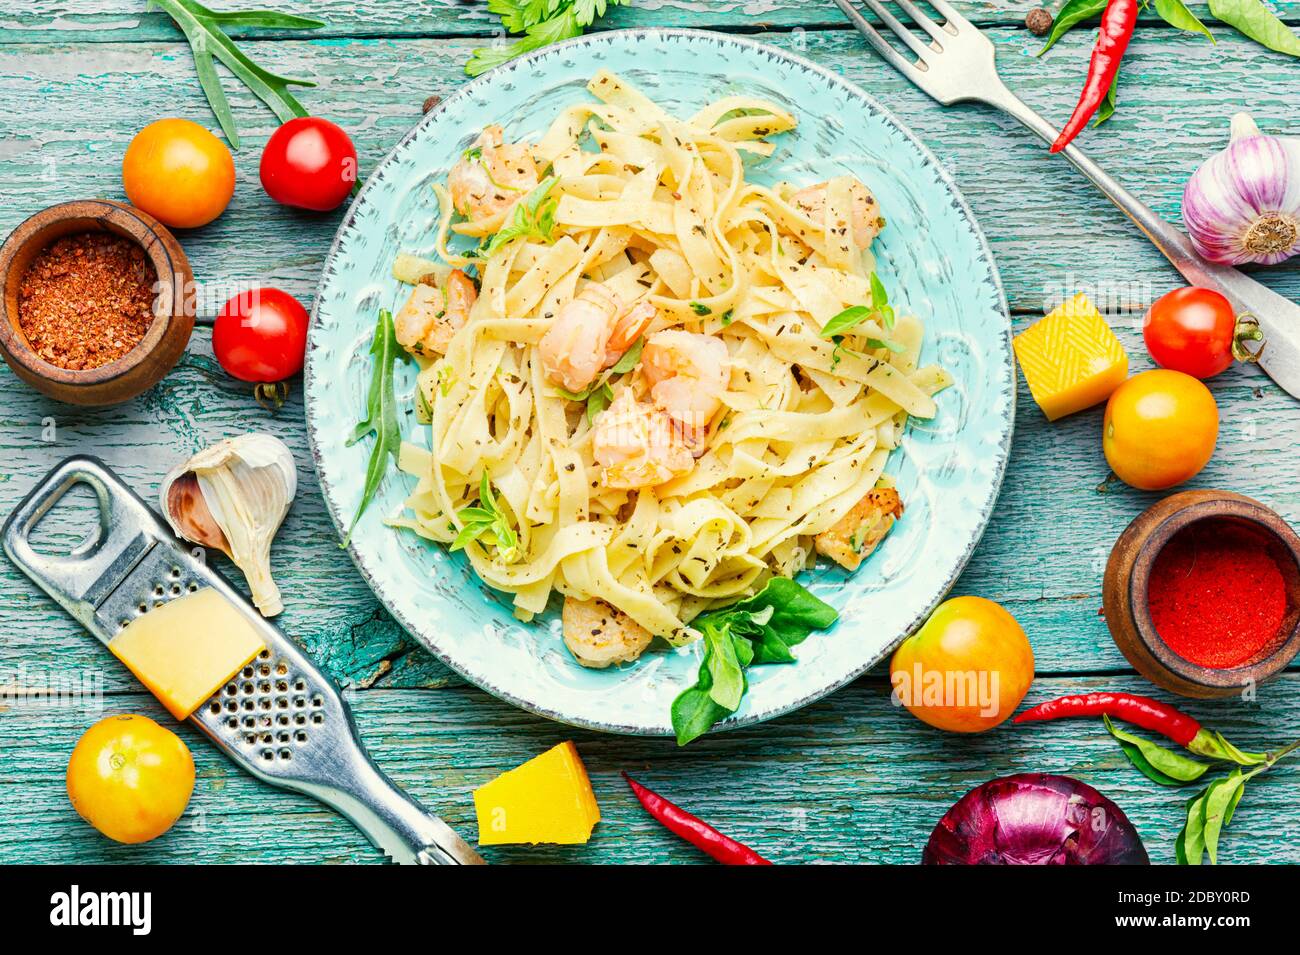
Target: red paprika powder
1216	595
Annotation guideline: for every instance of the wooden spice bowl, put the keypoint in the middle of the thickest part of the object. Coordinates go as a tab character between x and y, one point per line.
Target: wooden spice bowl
164	341
1125	592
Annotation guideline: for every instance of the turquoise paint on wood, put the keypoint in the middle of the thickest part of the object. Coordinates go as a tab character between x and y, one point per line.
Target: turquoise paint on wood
877	779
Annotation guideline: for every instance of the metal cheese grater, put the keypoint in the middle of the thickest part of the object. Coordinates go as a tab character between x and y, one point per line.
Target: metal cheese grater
281	718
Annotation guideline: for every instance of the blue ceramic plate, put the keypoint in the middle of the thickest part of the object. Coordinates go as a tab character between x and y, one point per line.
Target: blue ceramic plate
932	257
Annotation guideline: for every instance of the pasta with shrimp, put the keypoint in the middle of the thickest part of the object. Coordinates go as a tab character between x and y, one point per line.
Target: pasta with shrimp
655	383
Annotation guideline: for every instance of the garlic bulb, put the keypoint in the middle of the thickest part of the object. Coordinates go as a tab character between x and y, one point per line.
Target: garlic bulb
233	496
1243	204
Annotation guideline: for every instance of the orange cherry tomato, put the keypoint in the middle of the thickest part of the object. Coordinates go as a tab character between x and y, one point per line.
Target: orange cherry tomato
967	668
1160	429
130	778
179	173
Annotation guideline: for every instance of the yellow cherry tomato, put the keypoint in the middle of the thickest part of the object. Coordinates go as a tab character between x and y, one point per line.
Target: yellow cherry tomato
1160	429
967	668
179	173
130	778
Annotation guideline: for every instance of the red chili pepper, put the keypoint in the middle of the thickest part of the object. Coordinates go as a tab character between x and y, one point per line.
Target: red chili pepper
1141	711
695	831
1117	24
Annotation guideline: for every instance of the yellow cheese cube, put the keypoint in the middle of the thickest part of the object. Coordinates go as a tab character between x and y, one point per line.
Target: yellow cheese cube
547	799
185	650
1071	359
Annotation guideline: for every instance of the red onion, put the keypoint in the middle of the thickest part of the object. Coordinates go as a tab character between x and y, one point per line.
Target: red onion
1034	819
1243	203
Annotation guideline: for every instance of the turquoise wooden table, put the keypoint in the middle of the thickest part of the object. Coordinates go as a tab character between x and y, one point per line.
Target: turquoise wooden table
849	779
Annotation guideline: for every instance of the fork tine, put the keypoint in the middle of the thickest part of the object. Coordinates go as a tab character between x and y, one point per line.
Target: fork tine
891	56
902	32
921	19
950	14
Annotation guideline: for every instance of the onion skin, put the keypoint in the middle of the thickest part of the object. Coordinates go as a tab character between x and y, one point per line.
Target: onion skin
1034	819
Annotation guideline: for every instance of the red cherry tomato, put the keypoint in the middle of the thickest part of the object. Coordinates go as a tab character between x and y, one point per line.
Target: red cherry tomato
261	336
1191	330
309	163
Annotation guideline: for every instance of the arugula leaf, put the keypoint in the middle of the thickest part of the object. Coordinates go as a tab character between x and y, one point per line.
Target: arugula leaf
760	629
534	218
381	413
203	29
1253	19
542	22
1070	16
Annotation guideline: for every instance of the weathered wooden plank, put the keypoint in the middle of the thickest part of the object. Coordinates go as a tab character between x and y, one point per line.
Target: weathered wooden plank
872	781
97	21
1050	508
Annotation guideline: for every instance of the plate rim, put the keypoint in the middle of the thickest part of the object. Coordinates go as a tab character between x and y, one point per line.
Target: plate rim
638	34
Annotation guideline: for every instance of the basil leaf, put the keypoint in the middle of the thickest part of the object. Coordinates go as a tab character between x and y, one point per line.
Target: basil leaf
880	300
381	413
885	343
699	308
629	359
693	711
1176	14
1174	767
724	669
1071	15
744	650
851	317
599	400
1252	18
1217	799
795	611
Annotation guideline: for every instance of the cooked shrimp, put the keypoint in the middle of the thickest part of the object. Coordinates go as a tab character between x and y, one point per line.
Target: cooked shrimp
598	635
636	445
589	334
432	316
687	373
856	534
489	179
867	222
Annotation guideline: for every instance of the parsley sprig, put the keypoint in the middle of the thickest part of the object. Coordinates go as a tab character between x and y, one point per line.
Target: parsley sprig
534	218
486	521
542	22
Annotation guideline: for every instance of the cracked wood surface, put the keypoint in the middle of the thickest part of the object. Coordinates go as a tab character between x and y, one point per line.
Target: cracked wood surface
78	78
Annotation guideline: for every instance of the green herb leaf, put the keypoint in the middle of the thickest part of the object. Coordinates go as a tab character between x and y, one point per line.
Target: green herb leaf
534	218
699	308
381	413
1108	104
1221	794
598	401
885	343
758	630
846	320
1176	14
1070	16
1258	22
203	29
855	315
541	21
880	300
488	522
629	359
725	671
1192	838
1159	764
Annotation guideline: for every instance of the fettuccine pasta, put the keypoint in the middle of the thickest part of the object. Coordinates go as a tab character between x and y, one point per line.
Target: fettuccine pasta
632	392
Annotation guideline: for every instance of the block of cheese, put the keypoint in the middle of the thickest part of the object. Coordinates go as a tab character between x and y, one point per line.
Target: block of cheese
1071	359
187	649
547	799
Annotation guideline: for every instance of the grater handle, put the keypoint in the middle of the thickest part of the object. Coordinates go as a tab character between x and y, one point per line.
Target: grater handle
392	820
82	579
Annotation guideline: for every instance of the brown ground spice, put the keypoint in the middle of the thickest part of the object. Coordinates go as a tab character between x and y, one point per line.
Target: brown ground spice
86	300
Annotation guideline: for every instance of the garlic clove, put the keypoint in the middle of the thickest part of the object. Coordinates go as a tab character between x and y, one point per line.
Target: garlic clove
234	496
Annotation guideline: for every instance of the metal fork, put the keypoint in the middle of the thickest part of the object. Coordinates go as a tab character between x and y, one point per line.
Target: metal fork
957	64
